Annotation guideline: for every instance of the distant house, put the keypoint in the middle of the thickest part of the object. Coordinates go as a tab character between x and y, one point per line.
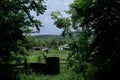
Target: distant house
64	47
36	48
46	49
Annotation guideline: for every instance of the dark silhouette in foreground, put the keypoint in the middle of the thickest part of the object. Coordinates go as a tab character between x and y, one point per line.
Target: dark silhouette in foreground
52	66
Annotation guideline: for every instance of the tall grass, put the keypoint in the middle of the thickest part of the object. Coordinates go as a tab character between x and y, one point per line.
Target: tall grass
66	75
37	56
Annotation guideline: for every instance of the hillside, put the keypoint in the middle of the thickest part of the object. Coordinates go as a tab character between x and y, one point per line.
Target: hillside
51	37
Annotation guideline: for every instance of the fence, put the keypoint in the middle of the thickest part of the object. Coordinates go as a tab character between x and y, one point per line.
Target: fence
63	64
53	65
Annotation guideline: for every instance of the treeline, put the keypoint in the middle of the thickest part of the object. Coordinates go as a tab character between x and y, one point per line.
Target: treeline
52	41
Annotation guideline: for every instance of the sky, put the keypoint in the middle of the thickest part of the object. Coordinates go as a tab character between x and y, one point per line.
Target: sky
49	27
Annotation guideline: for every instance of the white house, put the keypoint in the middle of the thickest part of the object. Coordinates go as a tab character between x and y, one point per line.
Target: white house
64	47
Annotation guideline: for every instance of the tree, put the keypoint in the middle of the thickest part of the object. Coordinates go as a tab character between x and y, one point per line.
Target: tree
102	17
15	20
61	22
78	58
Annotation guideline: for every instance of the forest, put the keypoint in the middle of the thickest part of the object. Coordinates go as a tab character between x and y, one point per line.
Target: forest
91	33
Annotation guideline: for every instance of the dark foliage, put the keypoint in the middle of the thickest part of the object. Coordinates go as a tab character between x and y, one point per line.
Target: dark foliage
103	18
15	20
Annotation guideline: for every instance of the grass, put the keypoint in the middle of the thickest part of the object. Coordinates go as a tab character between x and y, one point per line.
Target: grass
37	56
33	76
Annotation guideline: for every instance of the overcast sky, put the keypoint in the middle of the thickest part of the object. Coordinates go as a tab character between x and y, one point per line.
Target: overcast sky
48	23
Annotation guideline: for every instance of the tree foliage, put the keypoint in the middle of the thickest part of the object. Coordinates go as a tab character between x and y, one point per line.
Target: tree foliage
100	18
61	22
78	59
15	20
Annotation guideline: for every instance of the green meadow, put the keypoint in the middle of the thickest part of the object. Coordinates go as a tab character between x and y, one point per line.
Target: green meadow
37	56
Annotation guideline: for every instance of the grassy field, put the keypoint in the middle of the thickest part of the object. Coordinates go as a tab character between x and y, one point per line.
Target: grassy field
33	76
37	56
